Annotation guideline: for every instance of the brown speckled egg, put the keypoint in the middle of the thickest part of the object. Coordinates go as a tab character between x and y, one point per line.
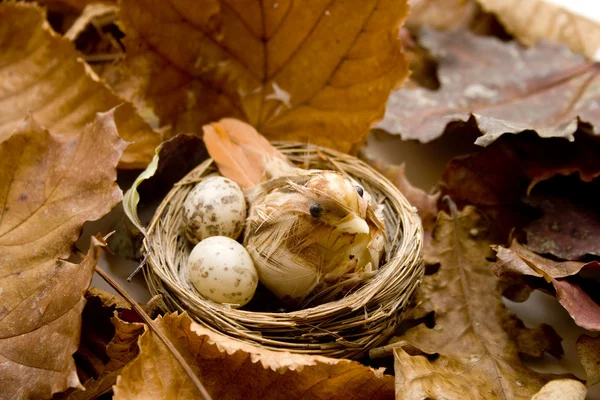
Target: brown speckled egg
222	271
215	207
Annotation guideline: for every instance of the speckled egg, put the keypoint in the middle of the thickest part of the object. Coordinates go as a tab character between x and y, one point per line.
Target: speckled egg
214	207
222	271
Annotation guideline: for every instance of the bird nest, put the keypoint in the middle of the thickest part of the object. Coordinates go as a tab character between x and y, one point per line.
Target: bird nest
348	327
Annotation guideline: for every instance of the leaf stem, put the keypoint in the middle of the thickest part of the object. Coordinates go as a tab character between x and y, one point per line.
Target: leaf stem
140	311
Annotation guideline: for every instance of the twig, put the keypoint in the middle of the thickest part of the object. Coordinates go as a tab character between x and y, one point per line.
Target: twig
140	311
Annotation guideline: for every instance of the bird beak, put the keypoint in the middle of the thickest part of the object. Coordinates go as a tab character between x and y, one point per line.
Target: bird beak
353	224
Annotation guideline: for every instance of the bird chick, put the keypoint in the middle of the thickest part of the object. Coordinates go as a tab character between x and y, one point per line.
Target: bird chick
309	233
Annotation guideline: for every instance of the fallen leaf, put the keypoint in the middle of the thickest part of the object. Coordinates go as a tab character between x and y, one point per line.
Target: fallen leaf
588	349
562	389
77	5
532	20
521	261
108	343
518	261
584	311
230	369
42	74
567	229
90	13
474	357
500	176
174	158
507	87
301	71
442	15
49	186
50	313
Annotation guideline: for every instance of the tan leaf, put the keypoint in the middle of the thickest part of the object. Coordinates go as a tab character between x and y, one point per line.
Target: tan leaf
39	336
77	5
475	356
442	14
562	389
49	186
588	349
107	341
507	87
90	13
317	72
41	73
532	20
230	369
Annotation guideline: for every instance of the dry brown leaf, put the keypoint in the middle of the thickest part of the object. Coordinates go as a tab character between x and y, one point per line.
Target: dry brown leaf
41	73
77	5
588	349
520	261
231	369
517	261
569	227
317	72
532	20
39	336
108	343
442	14
49	186
507	87
90	13
562	389
475	356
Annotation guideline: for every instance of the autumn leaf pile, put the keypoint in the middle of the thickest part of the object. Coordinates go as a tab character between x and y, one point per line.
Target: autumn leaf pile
91	87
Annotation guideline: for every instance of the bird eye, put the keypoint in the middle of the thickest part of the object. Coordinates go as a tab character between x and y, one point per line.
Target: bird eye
359	190
315	210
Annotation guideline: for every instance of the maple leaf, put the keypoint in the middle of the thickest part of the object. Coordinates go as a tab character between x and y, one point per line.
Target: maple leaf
49	186
475	357
301	71
507	87
41	73
231	369
532	20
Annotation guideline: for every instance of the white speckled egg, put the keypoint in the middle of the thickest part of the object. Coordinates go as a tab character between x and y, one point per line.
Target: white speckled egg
214	207
222	271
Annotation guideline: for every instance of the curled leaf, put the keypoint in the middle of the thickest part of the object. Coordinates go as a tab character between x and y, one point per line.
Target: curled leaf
507	87
231	369
49	186
532	20
518	261
295	70
42	74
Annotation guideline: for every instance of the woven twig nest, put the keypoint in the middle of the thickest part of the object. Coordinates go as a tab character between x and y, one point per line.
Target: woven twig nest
348	327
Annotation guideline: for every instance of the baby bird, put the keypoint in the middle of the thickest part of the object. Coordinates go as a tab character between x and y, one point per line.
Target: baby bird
310	233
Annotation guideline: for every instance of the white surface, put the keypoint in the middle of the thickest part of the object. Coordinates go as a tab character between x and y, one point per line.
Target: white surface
587	8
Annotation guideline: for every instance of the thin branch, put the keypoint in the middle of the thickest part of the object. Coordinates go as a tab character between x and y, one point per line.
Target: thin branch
157	331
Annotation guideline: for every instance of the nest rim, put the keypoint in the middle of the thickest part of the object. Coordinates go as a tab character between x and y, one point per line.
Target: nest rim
403	266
